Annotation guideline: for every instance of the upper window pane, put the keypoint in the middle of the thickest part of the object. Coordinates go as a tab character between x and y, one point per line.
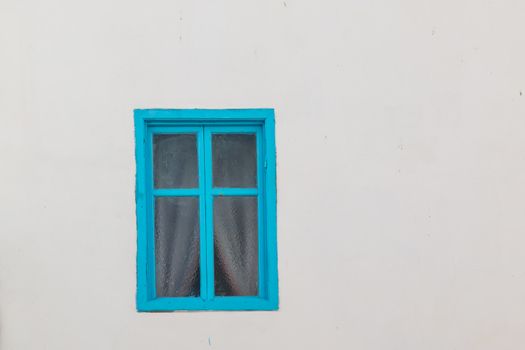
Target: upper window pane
175	163
234	160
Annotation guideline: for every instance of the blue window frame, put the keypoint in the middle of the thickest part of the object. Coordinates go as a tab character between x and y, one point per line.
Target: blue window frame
206	209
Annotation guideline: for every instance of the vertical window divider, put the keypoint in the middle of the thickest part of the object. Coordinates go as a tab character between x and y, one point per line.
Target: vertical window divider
210	276
203	239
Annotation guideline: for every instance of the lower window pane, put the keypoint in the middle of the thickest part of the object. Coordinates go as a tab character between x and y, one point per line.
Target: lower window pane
177	246
235	246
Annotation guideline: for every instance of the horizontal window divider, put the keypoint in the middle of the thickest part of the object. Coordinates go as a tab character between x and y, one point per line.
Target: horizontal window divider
234	191
176	192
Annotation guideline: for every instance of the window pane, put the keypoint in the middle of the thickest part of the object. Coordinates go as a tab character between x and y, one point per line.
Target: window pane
235	246
177	247
175	163
234	160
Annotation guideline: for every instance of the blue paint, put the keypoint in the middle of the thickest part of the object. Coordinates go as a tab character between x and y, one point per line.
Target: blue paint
179	192
150	211
234	191
140	194
210	276
261	215
205	122
271	211
202	215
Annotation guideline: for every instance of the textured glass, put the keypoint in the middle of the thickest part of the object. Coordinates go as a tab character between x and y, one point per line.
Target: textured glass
175	163
177	246
234	160
235	246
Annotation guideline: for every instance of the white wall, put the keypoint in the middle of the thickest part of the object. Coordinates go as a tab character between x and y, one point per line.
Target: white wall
400	140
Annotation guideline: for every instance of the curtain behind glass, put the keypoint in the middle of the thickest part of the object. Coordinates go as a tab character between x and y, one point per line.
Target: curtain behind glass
235	246
177	247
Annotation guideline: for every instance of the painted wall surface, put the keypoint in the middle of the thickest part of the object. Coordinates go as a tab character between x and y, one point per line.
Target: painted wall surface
401	167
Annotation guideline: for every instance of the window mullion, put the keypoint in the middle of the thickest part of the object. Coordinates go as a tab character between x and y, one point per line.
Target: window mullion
202	215
208	231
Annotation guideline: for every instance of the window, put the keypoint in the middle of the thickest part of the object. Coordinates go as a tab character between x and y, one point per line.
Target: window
206	210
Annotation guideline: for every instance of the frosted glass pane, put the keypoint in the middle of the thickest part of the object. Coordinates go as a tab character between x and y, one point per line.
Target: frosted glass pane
235	246
177	246
234	160
175	163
